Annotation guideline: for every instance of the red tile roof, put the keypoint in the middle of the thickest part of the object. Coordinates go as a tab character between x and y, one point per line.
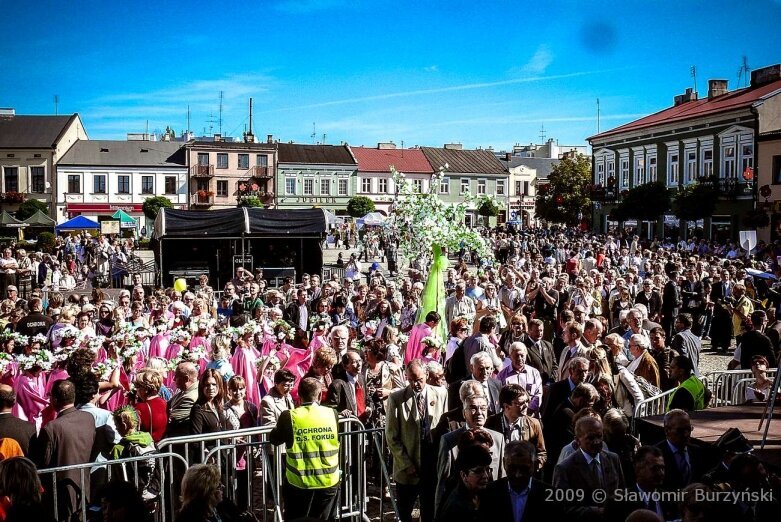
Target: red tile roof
380	160
737	99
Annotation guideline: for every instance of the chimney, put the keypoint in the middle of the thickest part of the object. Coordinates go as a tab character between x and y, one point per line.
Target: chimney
508	156
248	136
386	145
761	76
717	88
269	138
7	112
453	146
217	137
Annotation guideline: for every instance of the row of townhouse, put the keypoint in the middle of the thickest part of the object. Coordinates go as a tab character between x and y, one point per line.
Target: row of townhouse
730	139
51	158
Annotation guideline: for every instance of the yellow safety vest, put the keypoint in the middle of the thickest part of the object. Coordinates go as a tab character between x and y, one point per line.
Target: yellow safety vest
694	386
313	460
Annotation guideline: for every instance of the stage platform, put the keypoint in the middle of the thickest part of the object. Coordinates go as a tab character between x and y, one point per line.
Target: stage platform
710	424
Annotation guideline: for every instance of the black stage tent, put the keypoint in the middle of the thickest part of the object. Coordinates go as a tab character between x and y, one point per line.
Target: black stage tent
188	243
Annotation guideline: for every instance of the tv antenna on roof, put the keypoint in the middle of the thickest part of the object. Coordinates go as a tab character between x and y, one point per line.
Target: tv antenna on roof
542	133
744	72
221	93
56	105
693	73
314	133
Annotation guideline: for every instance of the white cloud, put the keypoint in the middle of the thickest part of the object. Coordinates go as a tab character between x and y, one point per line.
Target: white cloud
539	62
431	68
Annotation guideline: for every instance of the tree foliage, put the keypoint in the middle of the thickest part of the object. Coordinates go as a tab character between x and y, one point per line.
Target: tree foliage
645	202
487	206
359	206
30	207
250	201
152	206
46	242
695	201
566	195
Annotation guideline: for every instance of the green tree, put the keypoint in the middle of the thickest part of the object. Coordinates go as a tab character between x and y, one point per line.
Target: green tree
695	201
566	195
30	207
645	202
487	206
46	242
250	201
359	206
153	205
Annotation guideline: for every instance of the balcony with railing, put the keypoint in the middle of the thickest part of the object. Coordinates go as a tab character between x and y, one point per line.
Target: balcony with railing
259	172
730	188
202	171
202	199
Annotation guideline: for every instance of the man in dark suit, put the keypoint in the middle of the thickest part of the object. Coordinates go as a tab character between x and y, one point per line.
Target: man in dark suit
648	464
560	391
683	462
297	312
650	297
671	303
559	431
540	354
347	392
589	469
12	427
693	298
475	413
67	440
482	367
518	497
181	403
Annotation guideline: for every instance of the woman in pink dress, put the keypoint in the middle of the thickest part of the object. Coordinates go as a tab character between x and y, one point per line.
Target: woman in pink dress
31	398
158	344
180	339
245	359
200	344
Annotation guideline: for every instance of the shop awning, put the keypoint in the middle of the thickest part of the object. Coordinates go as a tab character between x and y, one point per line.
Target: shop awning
39	219
125	221
77	223
7	220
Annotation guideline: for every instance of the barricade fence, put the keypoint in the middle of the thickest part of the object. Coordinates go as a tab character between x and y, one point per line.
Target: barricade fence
723	384
251	468
651	406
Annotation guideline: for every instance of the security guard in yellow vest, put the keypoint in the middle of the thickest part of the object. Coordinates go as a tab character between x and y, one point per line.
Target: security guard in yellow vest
691	394
310	433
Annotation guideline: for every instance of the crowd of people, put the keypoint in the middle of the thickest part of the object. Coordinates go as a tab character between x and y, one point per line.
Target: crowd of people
520	410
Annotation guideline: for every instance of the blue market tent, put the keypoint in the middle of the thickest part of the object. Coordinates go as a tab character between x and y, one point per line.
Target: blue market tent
77	223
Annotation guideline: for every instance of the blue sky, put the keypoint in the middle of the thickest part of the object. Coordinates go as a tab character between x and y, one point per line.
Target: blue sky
483	74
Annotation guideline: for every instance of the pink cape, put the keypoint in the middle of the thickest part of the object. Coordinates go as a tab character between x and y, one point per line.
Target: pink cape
30	398
54	376
158	346
202	342
414	348
118	398
243	363
171	353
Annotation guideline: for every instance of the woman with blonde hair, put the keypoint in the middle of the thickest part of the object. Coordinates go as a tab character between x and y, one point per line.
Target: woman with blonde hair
151	408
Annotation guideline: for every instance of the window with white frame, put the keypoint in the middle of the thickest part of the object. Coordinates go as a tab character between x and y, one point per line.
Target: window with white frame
673	162
690	169
417	185
38	178
343	186
639	172
623	179
728	161
519	188
650	174
600	179
444	186
464	186
500	187
707	163
123	184
147	184
366	185
74	182
746	156
309	187
325	187
99	184
481	186
222	188
222	160
290	186
170	185
382	185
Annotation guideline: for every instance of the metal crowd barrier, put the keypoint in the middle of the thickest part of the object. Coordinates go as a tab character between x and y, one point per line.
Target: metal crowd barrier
651	406
56	485
722	384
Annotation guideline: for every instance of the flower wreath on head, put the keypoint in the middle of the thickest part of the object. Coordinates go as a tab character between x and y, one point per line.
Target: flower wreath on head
195	353
42	359
158	329
202	323
5	360
104	369
21	340
433	342
322	320
38	338
369	328
284	330
402	339
248	328
94	343
180	334
266	360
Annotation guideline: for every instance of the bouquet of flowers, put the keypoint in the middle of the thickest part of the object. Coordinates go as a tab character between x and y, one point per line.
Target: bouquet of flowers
369	328
194	353
180	334
322	319
284	330
5	360
202	322
103	370
94	343
434	342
